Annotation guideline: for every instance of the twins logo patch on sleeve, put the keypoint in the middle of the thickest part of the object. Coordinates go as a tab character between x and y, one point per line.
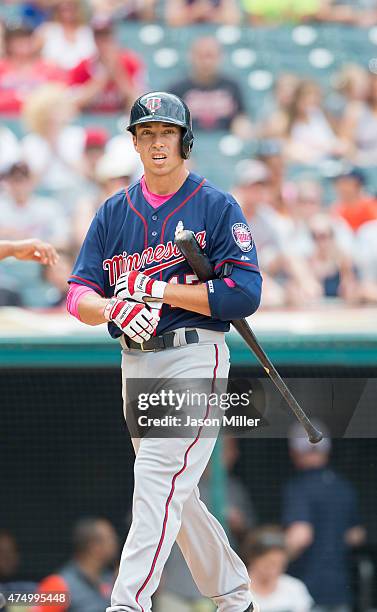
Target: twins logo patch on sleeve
242	236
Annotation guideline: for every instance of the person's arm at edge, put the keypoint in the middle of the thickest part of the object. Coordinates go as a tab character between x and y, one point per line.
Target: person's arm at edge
29	250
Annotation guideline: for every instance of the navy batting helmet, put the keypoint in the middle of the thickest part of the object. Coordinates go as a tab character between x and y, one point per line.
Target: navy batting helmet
165	107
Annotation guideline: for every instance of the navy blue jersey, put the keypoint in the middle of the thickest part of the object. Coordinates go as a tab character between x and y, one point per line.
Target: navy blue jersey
127	233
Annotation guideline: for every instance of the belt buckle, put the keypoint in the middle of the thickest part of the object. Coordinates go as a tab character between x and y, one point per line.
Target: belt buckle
144	350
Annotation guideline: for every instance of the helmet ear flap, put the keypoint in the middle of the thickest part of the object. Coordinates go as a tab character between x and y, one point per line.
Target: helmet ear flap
187	143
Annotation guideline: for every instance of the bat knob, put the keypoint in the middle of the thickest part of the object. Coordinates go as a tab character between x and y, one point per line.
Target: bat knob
315	437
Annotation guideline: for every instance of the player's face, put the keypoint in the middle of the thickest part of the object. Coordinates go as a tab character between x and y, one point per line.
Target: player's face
159	147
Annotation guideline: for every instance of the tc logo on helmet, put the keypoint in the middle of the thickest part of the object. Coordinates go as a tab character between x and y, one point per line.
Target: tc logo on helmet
153	104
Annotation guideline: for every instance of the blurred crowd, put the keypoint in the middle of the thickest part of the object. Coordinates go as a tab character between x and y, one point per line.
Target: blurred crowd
62	68
297	565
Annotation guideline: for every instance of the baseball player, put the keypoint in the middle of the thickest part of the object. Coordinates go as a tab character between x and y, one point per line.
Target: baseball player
128	257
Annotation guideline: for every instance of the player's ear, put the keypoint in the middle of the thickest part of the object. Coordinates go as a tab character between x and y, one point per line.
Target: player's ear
134	140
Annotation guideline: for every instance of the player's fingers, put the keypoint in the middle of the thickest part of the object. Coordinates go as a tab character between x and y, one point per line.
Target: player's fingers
39	257
50	254
45	254
137	338
152	319
140	331
146	326
142	337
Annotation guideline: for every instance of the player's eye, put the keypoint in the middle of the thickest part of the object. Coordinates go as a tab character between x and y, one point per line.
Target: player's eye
145	132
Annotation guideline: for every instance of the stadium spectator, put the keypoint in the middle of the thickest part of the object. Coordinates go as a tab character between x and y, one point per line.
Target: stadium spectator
67	38
144	10
353	203
178	591
22	71
86	578
351	88
24	214
9	557
114	171
274	12
2	28
262	12
273	112
186	12
366	248
53	148
264	553
321	518
331	265
270	152
310	136
303	207
287	279
9	148
10	572
111	79
94	148
214	99
359	126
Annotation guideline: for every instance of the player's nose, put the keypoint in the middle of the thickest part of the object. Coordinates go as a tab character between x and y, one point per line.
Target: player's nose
158	145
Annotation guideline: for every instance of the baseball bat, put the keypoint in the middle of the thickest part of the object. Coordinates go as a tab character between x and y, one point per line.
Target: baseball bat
201	265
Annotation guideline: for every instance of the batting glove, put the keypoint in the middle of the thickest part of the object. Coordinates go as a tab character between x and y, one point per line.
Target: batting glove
137	286
135	320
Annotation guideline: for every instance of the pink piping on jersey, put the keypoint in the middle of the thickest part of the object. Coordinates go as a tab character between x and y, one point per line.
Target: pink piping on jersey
75	293
175	210
154	199
184	466
141	217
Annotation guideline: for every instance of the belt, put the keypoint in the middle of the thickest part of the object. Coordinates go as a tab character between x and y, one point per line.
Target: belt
159	343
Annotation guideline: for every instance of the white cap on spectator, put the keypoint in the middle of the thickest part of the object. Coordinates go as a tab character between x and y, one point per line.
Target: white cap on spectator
298	439
115	164
251	171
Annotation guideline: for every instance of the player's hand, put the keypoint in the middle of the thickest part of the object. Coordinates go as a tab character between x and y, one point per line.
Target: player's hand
35	250
139	287
135	320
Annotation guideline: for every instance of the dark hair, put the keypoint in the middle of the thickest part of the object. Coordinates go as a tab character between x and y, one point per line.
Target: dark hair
260	541
7	534
17	27
85	533
354	173
302	88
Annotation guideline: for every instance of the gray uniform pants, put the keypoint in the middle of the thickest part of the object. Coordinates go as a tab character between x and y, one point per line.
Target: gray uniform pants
166	502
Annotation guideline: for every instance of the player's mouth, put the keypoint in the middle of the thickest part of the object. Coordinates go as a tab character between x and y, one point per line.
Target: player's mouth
159	158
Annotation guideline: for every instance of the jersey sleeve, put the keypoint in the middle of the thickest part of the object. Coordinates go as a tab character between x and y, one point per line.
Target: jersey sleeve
88	269
231	241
